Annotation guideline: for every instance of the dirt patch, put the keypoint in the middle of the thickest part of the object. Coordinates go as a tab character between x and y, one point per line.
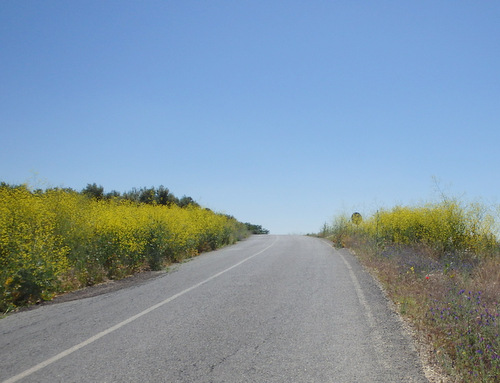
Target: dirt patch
99	289
107	287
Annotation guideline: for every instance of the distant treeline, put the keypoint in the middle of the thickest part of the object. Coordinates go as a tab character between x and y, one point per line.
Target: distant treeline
256	229
151	196
156	196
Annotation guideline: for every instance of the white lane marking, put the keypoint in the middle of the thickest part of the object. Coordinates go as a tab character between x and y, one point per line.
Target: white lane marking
125	322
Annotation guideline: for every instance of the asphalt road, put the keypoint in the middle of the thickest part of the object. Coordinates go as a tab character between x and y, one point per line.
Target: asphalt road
268	309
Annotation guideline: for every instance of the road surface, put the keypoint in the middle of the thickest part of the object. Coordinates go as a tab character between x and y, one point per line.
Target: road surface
268	309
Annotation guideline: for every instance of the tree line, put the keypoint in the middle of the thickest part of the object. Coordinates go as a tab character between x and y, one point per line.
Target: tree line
147	195
151	195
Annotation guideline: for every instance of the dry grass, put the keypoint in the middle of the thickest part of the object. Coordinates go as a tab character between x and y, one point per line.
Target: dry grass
450	296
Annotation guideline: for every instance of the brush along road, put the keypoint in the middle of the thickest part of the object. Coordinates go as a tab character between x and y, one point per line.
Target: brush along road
268	309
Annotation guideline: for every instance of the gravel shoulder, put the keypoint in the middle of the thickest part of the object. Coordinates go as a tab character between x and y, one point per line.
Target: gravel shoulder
433	371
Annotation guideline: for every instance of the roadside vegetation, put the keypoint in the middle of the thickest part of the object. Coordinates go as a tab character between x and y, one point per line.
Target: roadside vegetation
440	264
58	240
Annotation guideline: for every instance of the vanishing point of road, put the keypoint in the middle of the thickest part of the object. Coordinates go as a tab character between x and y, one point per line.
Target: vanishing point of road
268	309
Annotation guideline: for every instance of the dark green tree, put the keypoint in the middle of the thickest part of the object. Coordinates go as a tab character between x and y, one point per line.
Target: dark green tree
112	194
186	201
132	195
94	191
147	195
256	229
163	196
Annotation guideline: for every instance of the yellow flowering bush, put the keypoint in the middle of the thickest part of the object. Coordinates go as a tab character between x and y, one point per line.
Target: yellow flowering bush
447	226
59	239
32	255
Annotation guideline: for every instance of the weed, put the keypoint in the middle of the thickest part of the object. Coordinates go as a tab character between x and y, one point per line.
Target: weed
440	264
470	331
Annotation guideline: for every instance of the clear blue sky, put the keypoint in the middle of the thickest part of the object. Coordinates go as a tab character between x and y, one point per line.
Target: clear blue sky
281	113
